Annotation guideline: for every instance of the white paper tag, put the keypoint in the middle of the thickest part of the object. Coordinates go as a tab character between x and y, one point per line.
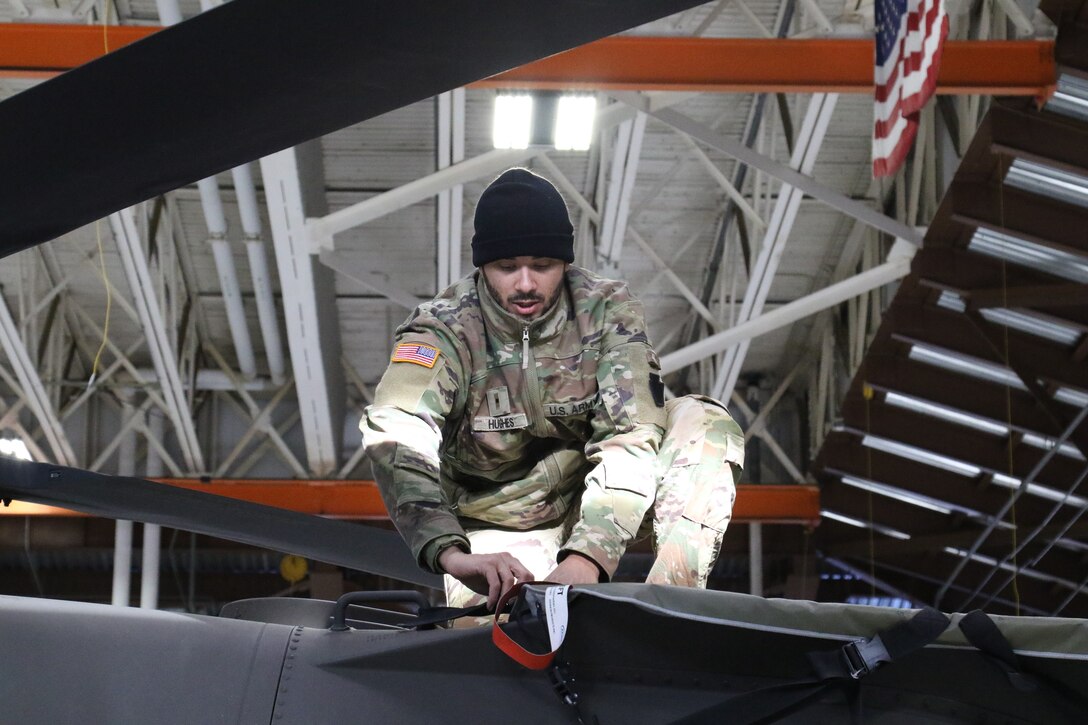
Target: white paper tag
555	610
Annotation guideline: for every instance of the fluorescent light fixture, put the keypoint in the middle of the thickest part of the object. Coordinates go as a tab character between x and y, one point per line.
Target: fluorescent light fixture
1040	491
1007	566
1065	449
1033	323
513	121
965	365
922	501
14	448
898	494
951	301
1048	181
1071	397
1029	254
574	122
1071	545
544	119
920	455
943	412
889	602
879	528
985	370
1070	98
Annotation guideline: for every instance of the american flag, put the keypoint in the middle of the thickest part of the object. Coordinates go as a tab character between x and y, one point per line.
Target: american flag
414	353
909	36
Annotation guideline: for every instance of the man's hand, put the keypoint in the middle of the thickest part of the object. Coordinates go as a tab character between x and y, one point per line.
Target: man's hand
575	569
490	574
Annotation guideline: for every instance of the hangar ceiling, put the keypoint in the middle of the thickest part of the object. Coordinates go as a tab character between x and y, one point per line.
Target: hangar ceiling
233	363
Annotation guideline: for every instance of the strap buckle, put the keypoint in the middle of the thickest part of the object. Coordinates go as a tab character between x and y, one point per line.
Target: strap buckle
863	656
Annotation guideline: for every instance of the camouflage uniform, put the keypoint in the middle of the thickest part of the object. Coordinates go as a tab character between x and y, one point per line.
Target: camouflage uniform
487	430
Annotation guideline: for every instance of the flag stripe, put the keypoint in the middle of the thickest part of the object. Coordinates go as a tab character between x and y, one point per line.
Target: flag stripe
909	39
411	352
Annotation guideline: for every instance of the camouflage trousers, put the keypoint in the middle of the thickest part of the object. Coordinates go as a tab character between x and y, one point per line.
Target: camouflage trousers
699	464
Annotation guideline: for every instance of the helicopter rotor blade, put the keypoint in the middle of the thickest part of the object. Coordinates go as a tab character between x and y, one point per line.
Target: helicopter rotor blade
252	77
358	547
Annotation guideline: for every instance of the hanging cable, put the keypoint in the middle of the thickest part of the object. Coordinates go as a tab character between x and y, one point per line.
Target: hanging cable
98	237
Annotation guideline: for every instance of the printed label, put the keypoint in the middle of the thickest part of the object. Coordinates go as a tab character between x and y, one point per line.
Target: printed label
555	608
577	407
500	423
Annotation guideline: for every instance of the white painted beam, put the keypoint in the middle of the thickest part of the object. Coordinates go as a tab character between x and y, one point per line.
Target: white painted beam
299	286
805	183
149	565
897	267
621	184
322	229
809	140
163	357
347	267
33	390
246	193
451	150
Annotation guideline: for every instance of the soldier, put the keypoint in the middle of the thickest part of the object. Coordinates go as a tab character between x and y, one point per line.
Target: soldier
521	428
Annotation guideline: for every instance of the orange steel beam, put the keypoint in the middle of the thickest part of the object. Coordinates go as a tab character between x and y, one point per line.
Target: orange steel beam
991	67
361	500
1018	67
33	50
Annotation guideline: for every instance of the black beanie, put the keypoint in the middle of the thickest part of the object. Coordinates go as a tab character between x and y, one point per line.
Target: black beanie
521	214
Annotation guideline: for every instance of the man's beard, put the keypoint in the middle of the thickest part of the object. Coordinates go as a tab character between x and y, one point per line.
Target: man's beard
526	298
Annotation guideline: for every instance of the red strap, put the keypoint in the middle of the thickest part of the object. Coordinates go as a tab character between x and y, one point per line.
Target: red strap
512	649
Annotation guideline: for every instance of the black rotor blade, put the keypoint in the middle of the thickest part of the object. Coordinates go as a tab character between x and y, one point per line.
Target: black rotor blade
252	77
362	548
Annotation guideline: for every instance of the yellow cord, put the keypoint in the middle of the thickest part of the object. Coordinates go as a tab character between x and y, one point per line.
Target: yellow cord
98	237
105	23
109	303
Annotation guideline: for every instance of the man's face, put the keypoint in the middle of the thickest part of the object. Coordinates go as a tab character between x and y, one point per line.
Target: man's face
525	286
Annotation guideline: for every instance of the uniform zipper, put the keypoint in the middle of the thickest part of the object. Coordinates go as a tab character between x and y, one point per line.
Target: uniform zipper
535	407
525	348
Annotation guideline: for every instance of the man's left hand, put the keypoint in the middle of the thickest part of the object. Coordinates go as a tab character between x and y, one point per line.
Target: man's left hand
575	569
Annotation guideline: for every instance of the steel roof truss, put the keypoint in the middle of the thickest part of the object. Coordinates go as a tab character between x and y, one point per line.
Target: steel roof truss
138	274
769	440
1023	544
260	418
897	266
33	389
745	155
621	183
813	129
261	422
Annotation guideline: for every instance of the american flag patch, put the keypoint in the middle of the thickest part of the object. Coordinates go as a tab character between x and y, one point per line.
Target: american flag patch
413	352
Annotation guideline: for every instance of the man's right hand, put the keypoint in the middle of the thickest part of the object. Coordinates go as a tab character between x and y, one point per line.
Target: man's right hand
490	574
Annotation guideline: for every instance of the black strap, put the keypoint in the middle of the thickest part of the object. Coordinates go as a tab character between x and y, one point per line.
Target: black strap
983	633
436	615
839	668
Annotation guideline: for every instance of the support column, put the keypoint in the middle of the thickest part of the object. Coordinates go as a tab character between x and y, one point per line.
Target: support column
294	189
755	554
149	567
122	544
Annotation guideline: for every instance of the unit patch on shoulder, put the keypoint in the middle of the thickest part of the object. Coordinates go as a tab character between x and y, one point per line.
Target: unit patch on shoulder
413	352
